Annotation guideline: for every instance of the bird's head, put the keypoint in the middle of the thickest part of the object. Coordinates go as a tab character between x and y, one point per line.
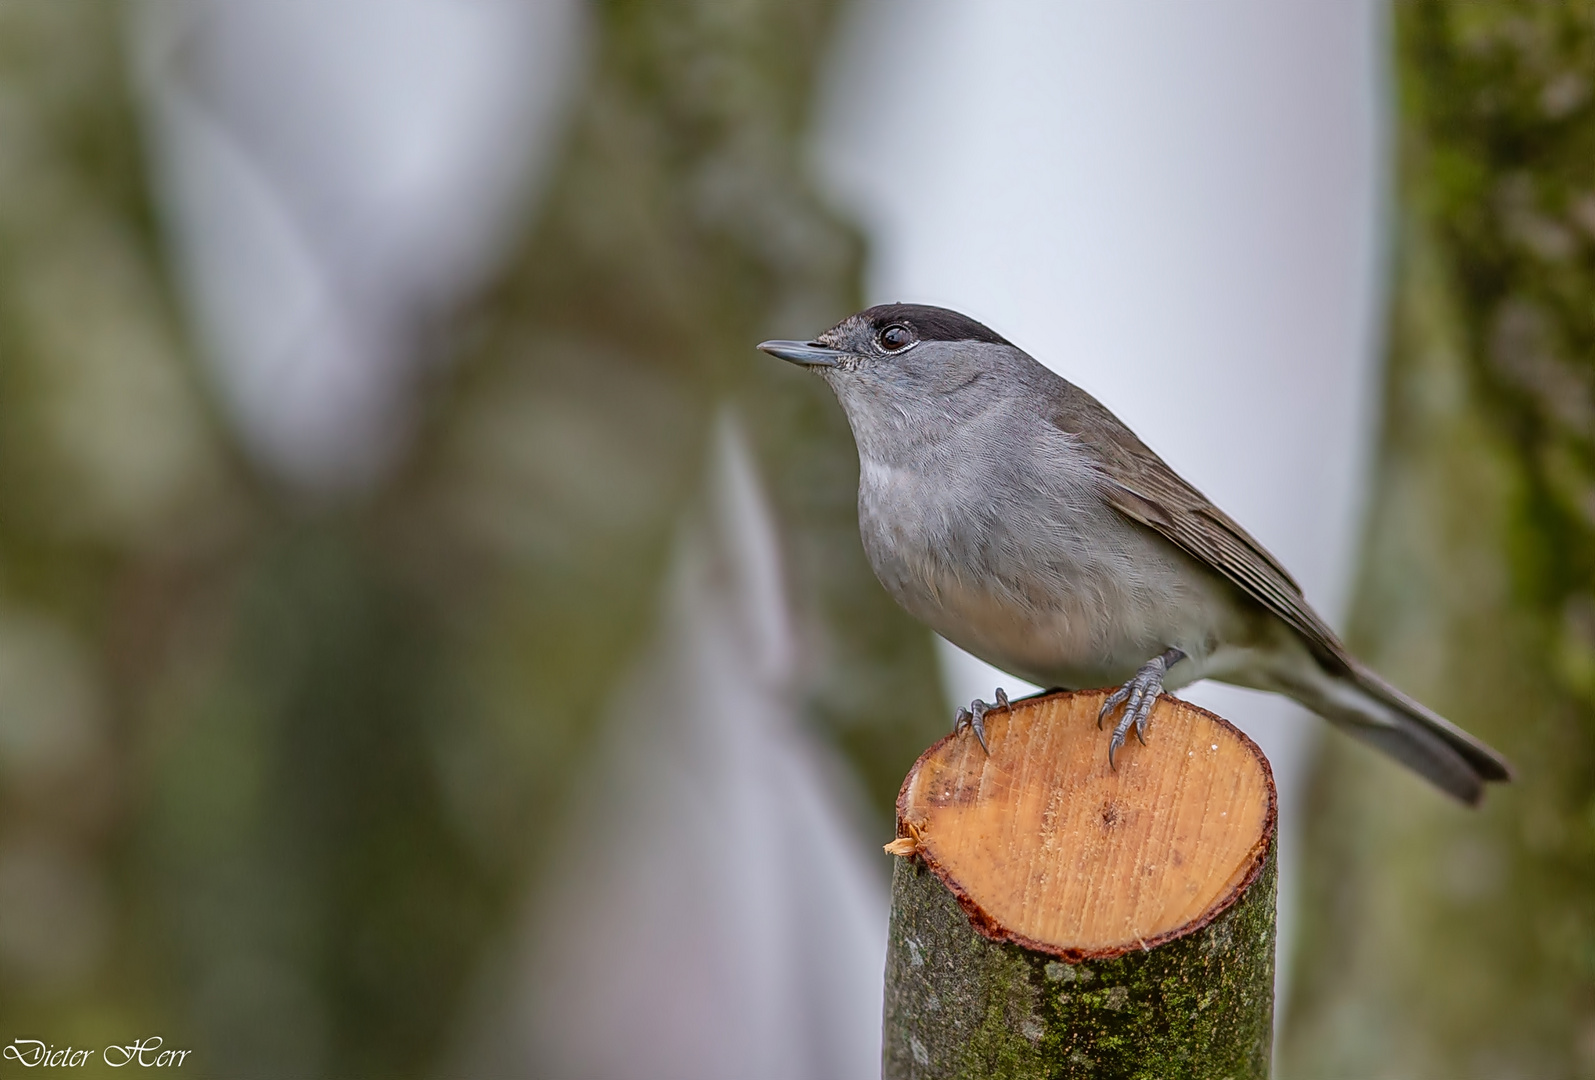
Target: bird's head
899	367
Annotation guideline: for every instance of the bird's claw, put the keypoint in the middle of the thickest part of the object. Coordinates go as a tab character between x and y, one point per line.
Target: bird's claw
1138	695
974	717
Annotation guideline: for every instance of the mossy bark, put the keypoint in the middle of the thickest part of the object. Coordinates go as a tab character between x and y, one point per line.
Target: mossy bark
959	1004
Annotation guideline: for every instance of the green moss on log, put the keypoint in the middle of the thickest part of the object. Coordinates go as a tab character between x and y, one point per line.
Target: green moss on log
961	1005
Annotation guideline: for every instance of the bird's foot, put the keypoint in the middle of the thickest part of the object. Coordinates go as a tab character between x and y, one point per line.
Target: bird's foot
1137	696
974	717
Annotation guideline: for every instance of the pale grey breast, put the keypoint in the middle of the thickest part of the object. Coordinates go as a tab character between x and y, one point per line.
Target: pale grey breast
1025	565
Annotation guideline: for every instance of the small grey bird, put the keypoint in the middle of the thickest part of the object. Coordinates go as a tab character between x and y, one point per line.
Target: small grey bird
1021	520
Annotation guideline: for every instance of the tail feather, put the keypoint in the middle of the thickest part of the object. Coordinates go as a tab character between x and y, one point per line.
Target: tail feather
1371	710
1485	759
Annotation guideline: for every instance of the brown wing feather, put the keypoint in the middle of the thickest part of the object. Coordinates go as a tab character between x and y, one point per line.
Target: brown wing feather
1144	489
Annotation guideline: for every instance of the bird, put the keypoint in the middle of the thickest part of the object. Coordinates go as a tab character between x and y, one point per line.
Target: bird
1016	516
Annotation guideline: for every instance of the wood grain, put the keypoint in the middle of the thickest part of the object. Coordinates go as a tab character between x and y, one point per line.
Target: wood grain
1045	845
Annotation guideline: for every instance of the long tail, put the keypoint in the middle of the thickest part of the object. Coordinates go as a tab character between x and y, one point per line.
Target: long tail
1368	708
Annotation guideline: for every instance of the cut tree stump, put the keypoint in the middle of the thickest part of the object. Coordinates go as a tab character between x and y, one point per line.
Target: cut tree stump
1052	917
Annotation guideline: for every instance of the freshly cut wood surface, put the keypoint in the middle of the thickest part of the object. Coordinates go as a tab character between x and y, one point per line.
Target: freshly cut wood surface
1045	845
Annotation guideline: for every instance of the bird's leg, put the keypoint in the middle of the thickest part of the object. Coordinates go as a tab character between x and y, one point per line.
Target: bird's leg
1137	696
974	717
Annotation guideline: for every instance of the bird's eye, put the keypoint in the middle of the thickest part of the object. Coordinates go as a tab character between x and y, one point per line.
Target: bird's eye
895	337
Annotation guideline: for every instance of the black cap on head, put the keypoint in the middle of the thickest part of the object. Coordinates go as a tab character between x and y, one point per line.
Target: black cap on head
931	323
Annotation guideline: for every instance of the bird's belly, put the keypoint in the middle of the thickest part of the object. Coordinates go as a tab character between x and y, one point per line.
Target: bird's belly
1074	640
1056	647
1076	603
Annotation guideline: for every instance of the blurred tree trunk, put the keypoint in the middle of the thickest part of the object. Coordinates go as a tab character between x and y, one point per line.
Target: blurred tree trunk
417	677
288	764
1438	942
113	485
681	228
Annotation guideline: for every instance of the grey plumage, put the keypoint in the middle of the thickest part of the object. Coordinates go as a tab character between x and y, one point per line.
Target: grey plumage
1019	518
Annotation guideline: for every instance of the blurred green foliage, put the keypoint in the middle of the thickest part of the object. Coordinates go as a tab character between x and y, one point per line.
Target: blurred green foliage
274	773
1438	942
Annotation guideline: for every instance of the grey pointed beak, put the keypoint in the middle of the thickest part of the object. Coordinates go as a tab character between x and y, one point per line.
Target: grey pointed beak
806	353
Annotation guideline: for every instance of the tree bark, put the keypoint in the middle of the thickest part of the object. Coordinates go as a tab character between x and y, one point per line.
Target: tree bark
1054	917
1437	942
